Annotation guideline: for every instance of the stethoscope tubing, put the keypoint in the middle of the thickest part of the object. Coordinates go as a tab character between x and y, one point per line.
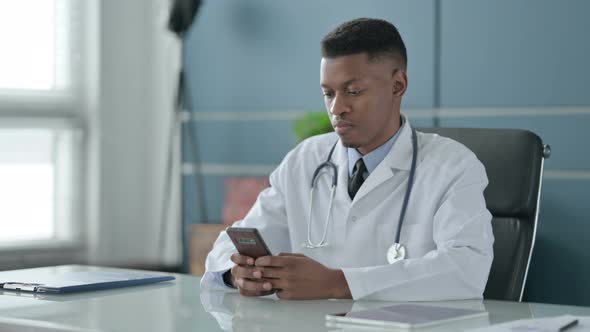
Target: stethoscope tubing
402	213
334	169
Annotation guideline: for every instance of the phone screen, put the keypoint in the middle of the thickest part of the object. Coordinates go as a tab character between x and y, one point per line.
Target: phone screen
248	242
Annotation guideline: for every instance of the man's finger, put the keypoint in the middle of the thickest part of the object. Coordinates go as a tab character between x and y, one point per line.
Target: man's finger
241	259
285	295
240	271
255	293
272	273
276	261
281	284
251	285
291	254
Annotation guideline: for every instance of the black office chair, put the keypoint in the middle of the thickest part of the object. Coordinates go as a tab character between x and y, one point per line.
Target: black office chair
513	160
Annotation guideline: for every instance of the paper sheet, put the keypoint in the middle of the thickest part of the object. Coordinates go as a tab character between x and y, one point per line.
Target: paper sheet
550	324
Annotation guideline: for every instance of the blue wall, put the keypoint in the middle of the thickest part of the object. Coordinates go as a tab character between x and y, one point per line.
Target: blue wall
254	65
531	54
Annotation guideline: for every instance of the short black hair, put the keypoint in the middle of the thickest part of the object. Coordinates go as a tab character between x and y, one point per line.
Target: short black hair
373	36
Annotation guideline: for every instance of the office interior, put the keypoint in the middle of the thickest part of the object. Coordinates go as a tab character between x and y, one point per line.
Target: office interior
100	165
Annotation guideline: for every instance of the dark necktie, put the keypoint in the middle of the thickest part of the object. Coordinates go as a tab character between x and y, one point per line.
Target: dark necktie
357	178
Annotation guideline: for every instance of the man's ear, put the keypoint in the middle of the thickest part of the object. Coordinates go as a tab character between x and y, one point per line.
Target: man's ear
400	82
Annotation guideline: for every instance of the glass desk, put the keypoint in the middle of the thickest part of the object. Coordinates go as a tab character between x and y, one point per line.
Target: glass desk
180	305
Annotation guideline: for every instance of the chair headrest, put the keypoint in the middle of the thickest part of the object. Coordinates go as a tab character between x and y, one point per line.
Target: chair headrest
513	161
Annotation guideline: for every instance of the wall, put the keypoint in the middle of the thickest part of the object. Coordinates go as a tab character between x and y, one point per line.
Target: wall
532	55
253	67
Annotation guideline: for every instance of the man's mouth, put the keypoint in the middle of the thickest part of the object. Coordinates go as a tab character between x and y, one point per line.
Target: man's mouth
342	127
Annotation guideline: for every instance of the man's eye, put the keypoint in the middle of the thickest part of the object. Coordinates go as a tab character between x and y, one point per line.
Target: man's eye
354	92
328	94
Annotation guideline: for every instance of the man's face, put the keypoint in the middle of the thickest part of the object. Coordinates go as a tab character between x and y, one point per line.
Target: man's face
363	98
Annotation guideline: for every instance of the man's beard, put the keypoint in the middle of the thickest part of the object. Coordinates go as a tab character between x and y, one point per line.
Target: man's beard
349	144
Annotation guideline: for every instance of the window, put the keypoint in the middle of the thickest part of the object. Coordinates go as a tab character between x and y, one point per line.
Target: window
28	55
35	191
41	70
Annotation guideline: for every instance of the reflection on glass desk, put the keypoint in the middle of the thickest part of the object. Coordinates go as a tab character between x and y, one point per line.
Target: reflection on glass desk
181	306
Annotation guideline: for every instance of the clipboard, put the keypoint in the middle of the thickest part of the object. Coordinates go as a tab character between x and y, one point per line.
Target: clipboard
75	281
403	316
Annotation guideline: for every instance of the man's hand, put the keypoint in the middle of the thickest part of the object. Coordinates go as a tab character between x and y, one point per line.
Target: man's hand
243	279
298	277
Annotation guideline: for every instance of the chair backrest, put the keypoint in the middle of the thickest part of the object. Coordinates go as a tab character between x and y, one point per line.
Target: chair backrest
513	160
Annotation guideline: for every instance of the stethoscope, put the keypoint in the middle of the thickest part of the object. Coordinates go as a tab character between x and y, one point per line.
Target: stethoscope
397	251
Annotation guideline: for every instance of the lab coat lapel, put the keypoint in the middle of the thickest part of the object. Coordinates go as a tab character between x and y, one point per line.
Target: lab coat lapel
341	205
341	159
398	158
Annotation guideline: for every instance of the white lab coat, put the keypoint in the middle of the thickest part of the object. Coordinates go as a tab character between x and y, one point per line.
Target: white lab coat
447	229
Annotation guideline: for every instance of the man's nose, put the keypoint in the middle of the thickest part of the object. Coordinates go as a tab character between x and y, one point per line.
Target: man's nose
338	105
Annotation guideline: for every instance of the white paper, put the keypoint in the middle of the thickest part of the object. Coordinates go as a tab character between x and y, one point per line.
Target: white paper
550	324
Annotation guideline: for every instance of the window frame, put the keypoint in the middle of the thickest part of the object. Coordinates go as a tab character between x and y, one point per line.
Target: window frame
65	108
69	233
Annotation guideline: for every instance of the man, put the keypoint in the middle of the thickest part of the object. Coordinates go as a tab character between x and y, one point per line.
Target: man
341	252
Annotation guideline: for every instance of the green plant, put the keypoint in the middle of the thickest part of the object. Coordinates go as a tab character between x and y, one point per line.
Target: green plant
311	124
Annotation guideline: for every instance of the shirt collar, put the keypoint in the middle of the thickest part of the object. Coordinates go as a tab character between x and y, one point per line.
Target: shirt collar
375	157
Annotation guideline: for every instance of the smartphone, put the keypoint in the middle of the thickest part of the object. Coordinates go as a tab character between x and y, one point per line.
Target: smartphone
248	241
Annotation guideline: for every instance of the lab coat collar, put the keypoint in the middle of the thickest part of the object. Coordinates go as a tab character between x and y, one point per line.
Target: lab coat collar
400	155
398	158
340	158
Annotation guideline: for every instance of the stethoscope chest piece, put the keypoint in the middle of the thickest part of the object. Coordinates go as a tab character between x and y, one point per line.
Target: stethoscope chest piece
396	252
